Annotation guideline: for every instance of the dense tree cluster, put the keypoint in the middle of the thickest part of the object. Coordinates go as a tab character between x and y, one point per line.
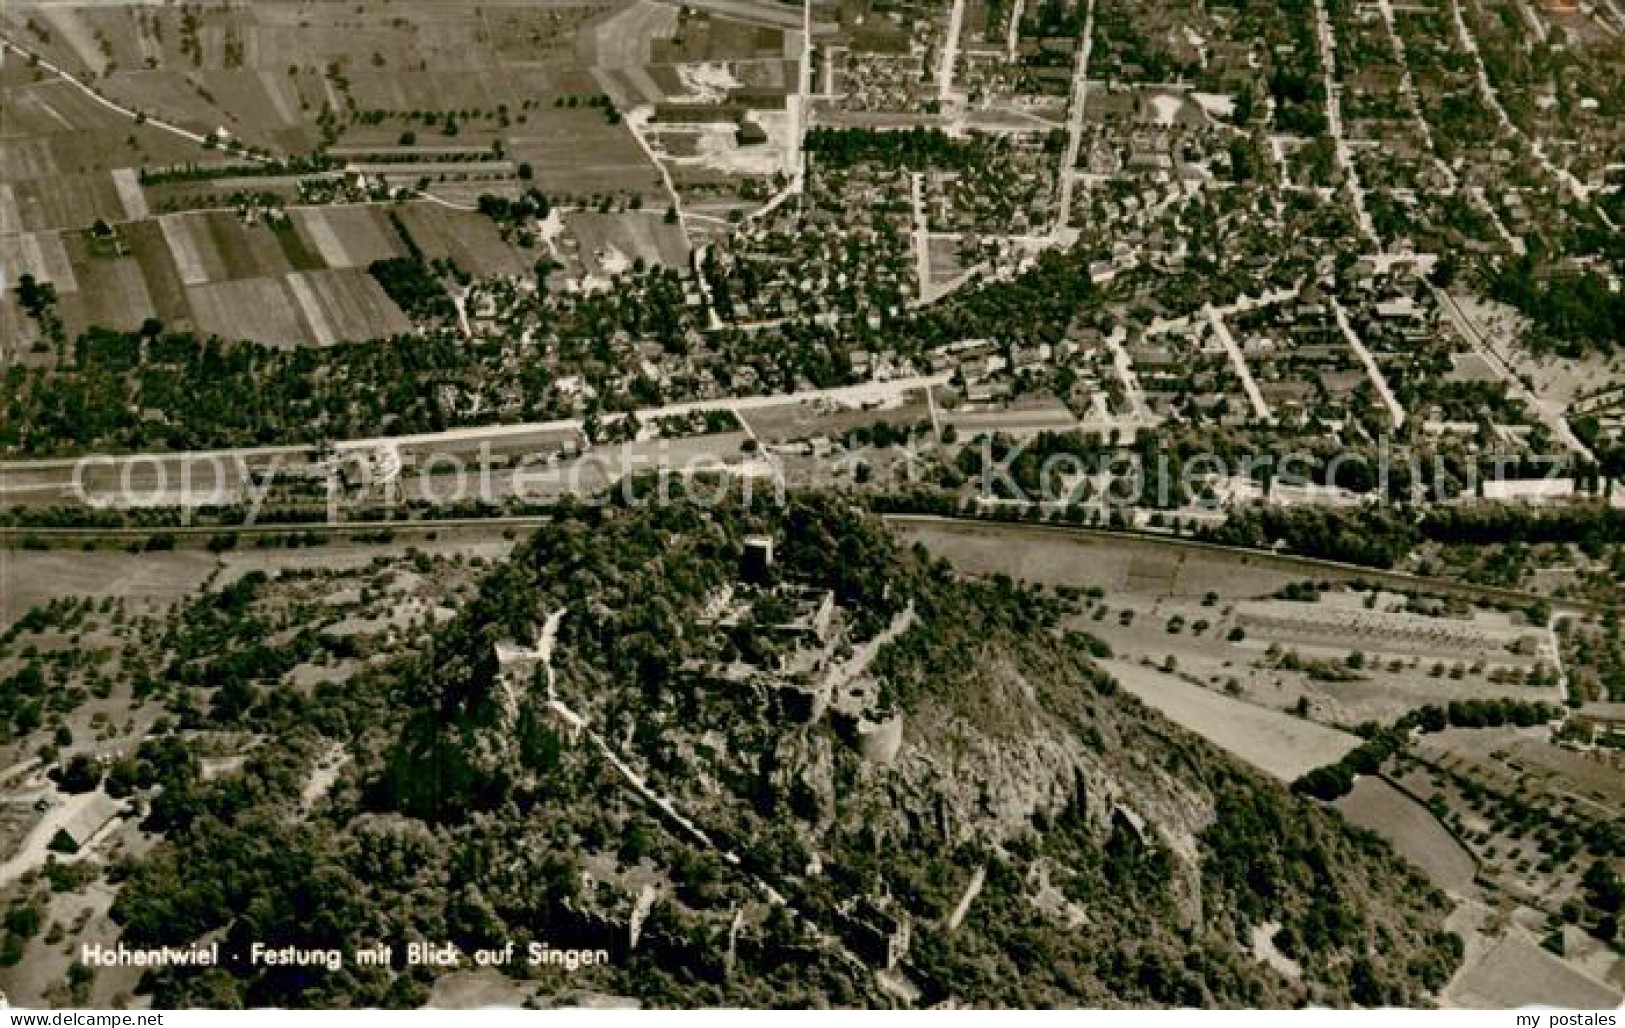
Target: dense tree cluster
1335	780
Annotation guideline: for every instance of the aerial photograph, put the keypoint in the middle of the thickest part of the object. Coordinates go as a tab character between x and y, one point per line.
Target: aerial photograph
834	504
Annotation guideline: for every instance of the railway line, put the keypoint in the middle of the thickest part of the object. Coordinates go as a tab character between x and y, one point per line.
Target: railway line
13	537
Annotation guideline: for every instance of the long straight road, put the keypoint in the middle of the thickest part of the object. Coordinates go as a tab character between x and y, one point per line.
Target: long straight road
802	103
1407	89
1126	374
1013	35
1255	396
21	477
1396	413
1334	122
1549	414
922	236
1074	123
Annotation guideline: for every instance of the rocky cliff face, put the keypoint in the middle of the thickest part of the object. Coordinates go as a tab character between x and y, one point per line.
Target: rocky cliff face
1018	763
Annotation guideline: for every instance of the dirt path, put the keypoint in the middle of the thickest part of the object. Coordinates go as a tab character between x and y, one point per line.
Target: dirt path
972	890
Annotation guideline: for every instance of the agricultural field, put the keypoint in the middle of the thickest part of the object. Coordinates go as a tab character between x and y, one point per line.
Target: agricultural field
1256	629
288	81
1527	828
66	160
1505	820
1414	832
468	240
347	237
215	142
1181	612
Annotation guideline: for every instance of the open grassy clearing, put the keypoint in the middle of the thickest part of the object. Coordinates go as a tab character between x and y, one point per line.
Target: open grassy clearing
624	39
1277	743
1589	776
576	153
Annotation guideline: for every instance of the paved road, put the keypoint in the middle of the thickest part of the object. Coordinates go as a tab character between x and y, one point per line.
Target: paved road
1563	176
1550	414
1013	36
132	472
800	104
1255	396
1126	374
1396	413
1407	88
922	238
853	395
